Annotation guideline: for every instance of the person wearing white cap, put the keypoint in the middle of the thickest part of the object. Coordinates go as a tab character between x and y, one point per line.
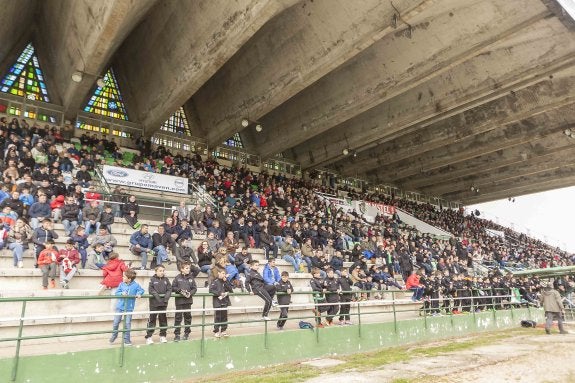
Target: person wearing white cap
553	306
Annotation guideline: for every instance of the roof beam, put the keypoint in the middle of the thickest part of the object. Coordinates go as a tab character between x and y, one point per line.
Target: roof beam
542	155
511	135
83	36
181	44
393	67
290	53
554	179
538	98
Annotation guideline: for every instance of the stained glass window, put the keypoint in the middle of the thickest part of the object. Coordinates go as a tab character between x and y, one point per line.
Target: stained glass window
234	141
25	77
177	123
107	101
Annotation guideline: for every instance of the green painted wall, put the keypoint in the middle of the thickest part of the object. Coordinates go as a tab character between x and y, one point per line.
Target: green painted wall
175	362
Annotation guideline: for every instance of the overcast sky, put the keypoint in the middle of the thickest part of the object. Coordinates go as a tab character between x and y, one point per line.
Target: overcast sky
549	214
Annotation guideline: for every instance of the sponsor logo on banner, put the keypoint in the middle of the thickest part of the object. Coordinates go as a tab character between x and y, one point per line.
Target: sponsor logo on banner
145	180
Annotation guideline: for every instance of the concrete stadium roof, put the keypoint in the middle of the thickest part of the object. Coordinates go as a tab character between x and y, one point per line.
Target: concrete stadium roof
435	96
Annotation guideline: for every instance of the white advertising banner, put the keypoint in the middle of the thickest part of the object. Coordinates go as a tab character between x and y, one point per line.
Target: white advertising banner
146	180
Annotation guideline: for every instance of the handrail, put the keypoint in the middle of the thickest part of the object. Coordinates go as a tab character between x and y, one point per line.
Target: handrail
471	303
98	171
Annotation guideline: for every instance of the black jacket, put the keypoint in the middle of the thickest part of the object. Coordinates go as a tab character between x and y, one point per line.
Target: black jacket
161	289
254	281
283	287
70	212
184	283
217	288
331	285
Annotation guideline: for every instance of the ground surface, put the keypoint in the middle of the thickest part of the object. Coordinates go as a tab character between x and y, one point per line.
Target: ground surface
522	355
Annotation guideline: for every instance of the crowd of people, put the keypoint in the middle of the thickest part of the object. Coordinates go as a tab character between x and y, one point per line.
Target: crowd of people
46	182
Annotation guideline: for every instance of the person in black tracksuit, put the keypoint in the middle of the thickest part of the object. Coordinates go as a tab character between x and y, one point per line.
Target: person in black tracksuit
255	285
161	289
317	286
331	286
284	286
345	296
184	285
448	291
220	288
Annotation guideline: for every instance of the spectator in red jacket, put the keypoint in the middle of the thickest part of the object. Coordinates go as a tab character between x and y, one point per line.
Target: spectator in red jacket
113	272
413	284
68	258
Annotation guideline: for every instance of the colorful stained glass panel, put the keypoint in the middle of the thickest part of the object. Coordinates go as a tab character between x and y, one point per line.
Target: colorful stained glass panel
177	123
107	101
25	78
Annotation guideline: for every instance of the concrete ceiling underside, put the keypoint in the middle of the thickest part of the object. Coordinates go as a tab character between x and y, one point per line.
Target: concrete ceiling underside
435	96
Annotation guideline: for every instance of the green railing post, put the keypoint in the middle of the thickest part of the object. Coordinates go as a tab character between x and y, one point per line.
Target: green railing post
424	316
359	319
394	312
123	334
203	340
17	354
317	315
265	334
473	309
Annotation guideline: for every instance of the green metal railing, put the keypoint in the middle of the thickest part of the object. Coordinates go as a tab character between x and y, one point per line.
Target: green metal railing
393	307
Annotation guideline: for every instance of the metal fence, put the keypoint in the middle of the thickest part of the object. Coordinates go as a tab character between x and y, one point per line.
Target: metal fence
392	307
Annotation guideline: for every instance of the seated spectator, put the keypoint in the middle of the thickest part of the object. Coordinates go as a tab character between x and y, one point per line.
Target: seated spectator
130	211
183	211
91	215
231	243
80	239
113	272
18	239
83	176
242	260
68	258
141	245
319	261
14	203
205	257
161	243
336	262
307	254
7	217
413	284
268	244
196	218
291	254
96	258
70	212
217	230
27	200
119	197
106	239
41	235
107	218
39	211
93	195
170	227
66	164
183	231
47	262
185	253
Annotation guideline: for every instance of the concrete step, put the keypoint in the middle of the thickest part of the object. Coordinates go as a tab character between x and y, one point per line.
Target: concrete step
68	316
30	279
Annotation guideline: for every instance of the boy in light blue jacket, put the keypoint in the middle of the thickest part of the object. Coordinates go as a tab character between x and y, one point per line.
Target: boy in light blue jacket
126	305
